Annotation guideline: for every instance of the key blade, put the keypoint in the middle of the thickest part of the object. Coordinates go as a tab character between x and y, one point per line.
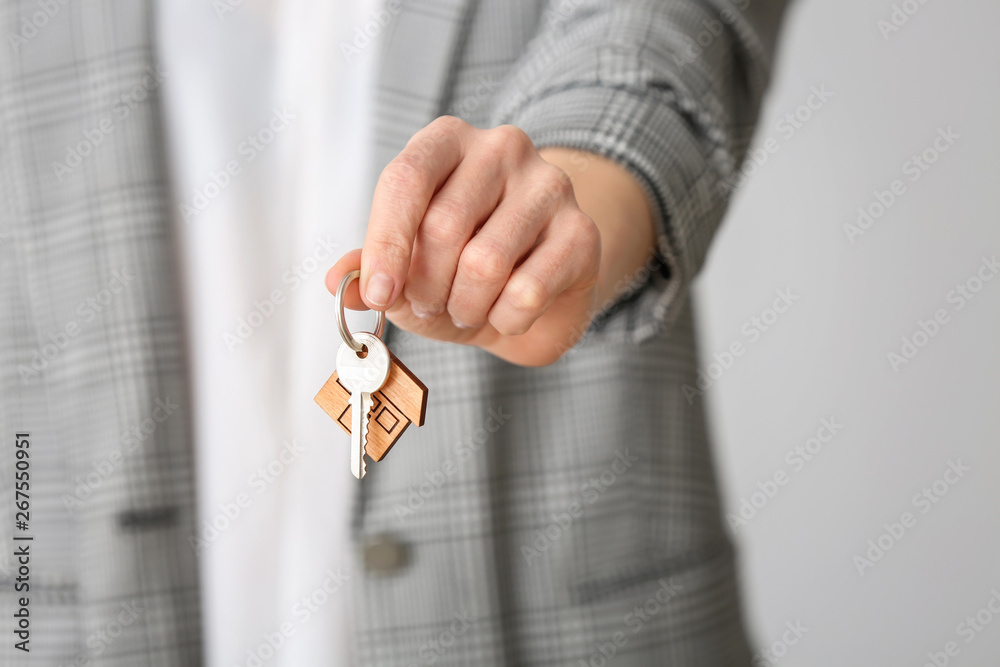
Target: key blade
357	440
361	375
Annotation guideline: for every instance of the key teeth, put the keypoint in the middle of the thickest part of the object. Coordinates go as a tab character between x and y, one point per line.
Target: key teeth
364	442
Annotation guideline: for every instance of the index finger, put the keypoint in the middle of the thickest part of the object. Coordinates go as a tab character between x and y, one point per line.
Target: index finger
402	195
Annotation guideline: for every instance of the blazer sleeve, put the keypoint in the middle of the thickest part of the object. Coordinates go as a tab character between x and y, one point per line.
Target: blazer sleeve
671	90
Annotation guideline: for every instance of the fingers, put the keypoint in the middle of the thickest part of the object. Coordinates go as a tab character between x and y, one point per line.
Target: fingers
437	269
456	211
402	195
349	262
565	263
511	232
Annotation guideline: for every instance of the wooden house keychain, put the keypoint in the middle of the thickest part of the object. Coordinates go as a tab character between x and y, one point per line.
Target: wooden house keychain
372	395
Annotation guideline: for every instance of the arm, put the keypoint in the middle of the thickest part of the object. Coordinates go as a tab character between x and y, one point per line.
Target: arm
670	89
482	241
488	242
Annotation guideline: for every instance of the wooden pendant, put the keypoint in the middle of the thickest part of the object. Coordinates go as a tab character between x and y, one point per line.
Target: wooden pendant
402	400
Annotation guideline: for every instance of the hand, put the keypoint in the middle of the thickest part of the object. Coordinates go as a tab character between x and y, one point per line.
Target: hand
474	238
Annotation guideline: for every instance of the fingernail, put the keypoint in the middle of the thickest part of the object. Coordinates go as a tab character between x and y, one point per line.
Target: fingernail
379	289
421	312
461	325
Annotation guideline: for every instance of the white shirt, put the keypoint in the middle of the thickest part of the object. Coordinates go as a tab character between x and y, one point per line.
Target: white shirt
267	127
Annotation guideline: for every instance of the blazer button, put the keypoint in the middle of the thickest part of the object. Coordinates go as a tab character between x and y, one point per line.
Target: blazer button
384	554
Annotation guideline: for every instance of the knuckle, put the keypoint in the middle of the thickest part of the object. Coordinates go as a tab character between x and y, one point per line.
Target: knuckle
447	222
583	238
527	293
551	188
584	231
450	123
507	141
442	130
483	261
514	135
592	256
404	174
557	180
390	248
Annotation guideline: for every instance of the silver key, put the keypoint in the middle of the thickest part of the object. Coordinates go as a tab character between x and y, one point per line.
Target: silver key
362	377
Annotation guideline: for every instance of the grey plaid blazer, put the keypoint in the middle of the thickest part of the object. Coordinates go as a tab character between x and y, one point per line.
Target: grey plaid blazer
550	516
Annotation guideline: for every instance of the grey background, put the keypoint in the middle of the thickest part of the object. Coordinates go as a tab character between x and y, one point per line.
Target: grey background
827	356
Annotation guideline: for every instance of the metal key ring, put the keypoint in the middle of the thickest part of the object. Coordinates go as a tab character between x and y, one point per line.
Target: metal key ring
341	318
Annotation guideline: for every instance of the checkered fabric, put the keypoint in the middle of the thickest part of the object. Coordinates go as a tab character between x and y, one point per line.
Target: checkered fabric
551	516
91	356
